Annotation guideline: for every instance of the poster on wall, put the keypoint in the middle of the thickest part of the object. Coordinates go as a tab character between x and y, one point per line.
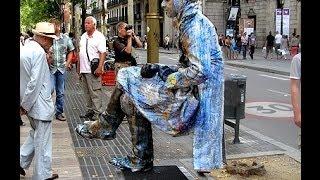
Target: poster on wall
278	20
229	32
286	21
248	26
233	14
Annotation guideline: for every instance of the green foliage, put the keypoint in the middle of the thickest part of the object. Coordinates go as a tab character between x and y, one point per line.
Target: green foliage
34	11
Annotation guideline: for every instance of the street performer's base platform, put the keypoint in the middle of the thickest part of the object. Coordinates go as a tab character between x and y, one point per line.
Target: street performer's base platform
158	172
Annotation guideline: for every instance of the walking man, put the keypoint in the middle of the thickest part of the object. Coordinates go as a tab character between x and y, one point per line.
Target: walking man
295	87
278	38
244	42
166	42
252	44
62	58
36	102
269	45
92	47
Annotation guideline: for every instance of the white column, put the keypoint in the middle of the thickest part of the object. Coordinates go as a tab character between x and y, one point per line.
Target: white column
130	12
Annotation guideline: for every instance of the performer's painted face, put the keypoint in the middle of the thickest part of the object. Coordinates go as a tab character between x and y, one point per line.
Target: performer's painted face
169	7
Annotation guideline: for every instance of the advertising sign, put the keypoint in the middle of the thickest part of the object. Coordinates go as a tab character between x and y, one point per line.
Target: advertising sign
248	26
233	14
278	20
286	21
229	32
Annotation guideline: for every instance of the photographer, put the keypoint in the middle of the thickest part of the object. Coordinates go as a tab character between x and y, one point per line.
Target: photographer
123	46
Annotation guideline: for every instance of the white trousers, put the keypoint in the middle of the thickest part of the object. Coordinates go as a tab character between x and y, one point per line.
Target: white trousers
38	145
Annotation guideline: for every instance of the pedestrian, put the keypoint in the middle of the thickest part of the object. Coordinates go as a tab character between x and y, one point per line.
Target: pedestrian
74	57
294	45
233	49
123	46
252	44
295	88
145	42
244	43
36	103
63	50
90	66
227	43
238	42
278	38
166	42
222	43
175	99
269	45
284	47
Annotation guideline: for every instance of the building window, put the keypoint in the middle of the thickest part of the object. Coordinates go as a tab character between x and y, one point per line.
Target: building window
280	4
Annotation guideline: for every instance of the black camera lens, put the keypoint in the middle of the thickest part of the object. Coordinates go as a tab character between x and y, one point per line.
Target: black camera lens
128	27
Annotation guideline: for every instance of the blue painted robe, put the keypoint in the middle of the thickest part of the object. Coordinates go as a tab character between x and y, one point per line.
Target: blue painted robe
172	106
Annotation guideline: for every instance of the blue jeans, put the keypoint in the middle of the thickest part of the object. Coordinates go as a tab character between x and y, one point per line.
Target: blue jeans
57	80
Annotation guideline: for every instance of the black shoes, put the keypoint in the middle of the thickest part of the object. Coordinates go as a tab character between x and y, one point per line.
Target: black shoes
135	166
23	173
61	117
54	176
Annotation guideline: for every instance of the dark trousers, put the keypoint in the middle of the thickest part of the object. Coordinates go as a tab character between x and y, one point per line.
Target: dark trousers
140	127
244	51
251	51
166	46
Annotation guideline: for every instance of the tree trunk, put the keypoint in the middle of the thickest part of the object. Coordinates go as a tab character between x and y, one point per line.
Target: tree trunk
103	25
83	15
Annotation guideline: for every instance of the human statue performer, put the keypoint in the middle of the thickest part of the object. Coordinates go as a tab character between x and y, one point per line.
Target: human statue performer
174	99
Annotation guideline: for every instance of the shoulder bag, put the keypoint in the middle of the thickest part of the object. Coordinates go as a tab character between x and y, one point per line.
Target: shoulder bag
94	63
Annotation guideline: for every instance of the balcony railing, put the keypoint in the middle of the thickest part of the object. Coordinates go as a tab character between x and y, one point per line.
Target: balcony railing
116	3
113	20
96	10
113	3
123	1
123	18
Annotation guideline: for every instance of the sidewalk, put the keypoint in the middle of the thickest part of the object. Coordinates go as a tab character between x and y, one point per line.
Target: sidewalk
78	158
258	63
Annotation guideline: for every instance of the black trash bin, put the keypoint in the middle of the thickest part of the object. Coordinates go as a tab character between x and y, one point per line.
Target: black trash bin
234	96
234	101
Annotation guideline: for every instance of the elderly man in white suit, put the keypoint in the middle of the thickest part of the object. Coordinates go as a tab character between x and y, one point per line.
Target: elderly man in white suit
36	102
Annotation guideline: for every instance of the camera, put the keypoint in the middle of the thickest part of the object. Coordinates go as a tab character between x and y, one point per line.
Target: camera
128	27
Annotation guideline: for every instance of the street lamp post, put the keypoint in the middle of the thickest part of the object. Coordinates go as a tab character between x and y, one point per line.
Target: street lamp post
153	34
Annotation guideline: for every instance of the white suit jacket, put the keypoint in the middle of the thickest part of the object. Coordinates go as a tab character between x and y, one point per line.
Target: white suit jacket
35	88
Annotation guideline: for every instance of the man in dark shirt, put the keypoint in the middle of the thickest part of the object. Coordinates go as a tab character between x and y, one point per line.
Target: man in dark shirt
269	45
123	47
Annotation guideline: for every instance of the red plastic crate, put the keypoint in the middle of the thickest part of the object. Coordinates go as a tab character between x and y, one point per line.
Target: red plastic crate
108	78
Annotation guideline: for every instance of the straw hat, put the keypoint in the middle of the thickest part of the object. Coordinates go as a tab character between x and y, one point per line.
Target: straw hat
44	29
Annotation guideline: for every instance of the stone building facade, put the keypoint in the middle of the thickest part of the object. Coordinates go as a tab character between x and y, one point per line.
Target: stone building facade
262	11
